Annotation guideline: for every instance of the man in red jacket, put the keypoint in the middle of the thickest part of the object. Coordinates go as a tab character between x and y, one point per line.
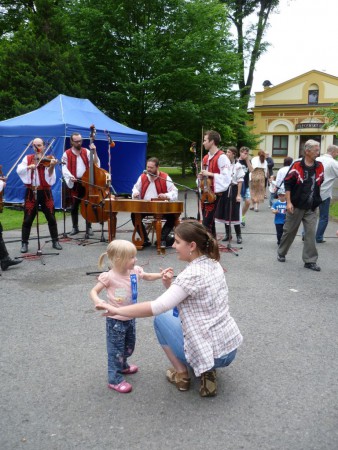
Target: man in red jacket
302	190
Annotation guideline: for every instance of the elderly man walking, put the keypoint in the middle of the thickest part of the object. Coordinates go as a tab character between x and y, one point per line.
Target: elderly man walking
302	190
330	174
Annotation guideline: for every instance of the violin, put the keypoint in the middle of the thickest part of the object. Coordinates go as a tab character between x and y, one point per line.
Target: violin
207	194
46	160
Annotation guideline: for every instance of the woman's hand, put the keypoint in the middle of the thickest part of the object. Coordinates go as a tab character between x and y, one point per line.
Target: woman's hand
109	309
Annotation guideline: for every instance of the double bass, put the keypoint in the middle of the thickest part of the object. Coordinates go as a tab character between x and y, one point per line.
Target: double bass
96	182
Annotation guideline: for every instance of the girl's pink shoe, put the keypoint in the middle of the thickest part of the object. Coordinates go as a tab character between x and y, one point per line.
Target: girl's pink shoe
122	387
131	369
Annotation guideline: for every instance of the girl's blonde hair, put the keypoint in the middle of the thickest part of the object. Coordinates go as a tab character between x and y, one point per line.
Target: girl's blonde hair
118	252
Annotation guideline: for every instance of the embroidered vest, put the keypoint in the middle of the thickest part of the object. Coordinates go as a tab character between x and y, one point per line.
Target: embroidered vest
212	164
41	172
160	184
71	160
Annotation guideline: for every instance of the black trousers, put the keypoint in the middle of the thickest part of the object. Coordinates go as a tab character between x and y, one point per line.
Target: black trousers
167	227
78	192
45	201
208	213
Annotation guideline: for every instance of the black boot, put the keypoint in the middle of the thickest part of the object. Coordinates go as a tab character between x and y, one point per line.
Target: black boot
5	260
238	234
227	234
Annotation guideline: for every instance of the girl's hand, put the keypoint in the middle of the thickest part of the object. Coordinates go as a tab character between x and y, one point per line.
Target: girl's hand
167	276
238	199
167	273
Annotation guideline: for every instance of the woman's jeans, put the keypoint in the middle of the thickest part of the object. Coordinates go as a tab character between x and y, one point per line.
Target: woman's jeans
121	338
169	333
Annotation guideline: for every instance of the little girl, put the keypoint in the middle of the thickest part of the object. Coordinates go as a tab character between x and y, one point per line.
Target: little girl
121	286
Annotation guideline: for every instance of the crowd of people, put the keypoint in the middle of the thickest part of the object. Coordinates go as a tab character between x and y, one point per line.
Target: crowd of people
192	324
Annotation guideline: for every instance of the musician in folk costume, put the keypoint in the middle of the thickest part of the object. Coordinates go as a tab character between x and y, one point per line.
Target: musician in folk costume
228	207
38	180
152	184
5	260
214	178
76	161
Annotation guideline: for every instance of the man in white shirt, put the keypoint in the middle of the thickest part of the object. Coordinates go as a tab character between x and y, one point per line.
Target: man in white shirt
155	184
214	178
38	180
330	174
76	162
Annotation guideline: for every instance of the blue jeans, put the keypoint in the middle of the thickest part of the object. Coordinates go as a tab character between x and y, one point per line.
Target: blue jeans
324	209
169	333
121	339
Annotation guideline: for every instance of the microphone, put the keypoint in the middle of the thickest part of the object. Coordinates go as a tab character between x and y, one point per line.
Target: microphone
148	173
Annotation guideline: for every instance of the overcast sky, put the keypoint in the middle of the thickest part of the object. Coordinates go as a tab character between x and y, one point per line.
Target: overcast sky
303	37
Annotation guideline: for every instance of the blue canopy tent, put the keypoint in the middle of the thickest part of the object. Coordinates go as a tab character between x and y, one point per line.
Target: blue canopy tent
59	119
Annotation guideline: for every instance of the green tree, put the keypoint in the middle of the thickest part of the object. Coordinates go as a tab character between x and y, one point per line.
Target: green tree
163	66
250	44
37	62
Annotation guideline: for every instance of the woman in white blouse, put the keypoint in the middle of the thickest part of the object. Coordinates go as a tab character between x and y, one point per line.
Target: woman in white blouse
193	323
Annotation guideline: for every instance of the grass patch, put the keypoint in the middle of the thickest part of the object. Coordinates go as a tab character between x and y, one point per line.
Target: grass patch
334	210
175	174
11	219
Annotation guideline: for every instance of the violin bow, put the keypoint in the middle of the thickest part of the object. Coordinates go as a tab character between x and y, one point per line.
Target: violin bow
46	151
16	162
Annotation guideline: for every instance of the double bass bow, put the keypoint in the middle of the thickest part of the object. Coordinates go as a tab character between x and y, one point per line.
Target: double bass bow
96	182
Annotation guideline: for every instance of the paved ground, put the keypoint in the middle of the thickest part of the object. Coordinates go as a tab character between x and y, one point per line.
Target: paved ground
281	392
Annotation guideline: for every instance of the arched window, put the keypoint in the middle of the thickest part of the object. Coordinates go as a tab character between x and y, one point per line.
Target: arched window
313	94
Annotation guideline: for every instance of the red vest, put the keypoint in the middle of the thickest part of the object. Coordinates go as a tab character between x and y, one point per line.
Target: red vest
41	172
160	183
71	160
212	165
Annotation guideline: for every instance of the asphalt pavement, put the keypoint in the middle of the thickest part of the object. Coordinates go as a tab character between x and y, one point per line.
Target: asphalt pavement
280	393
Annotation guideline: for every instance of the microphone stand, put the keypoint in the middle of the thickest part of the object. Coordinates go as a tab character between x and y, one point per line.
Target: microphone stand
198	191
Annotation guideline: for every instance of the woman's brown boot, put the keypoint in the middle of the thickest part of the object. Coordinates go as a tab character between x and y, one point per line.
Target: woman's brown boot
180	379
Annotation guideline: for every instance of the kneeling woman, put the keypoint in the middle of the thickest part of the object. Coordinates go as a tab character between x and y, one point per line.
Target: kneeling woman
193	323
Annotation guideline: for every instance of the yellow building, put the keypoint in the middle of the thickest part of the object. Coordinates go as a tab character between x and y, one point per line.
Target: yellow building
285	116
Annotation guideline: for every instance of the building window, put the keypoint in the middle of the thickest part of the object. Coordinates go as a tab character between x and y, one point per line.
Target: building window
280	145
313	97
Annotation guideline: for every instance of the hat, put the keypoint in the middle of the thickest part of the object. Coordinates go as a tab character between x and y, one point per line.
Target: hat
281	191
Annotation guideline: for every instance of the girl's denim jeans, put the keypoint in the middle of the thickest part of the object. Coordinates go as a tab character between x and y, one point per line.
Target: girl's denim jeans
121	339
